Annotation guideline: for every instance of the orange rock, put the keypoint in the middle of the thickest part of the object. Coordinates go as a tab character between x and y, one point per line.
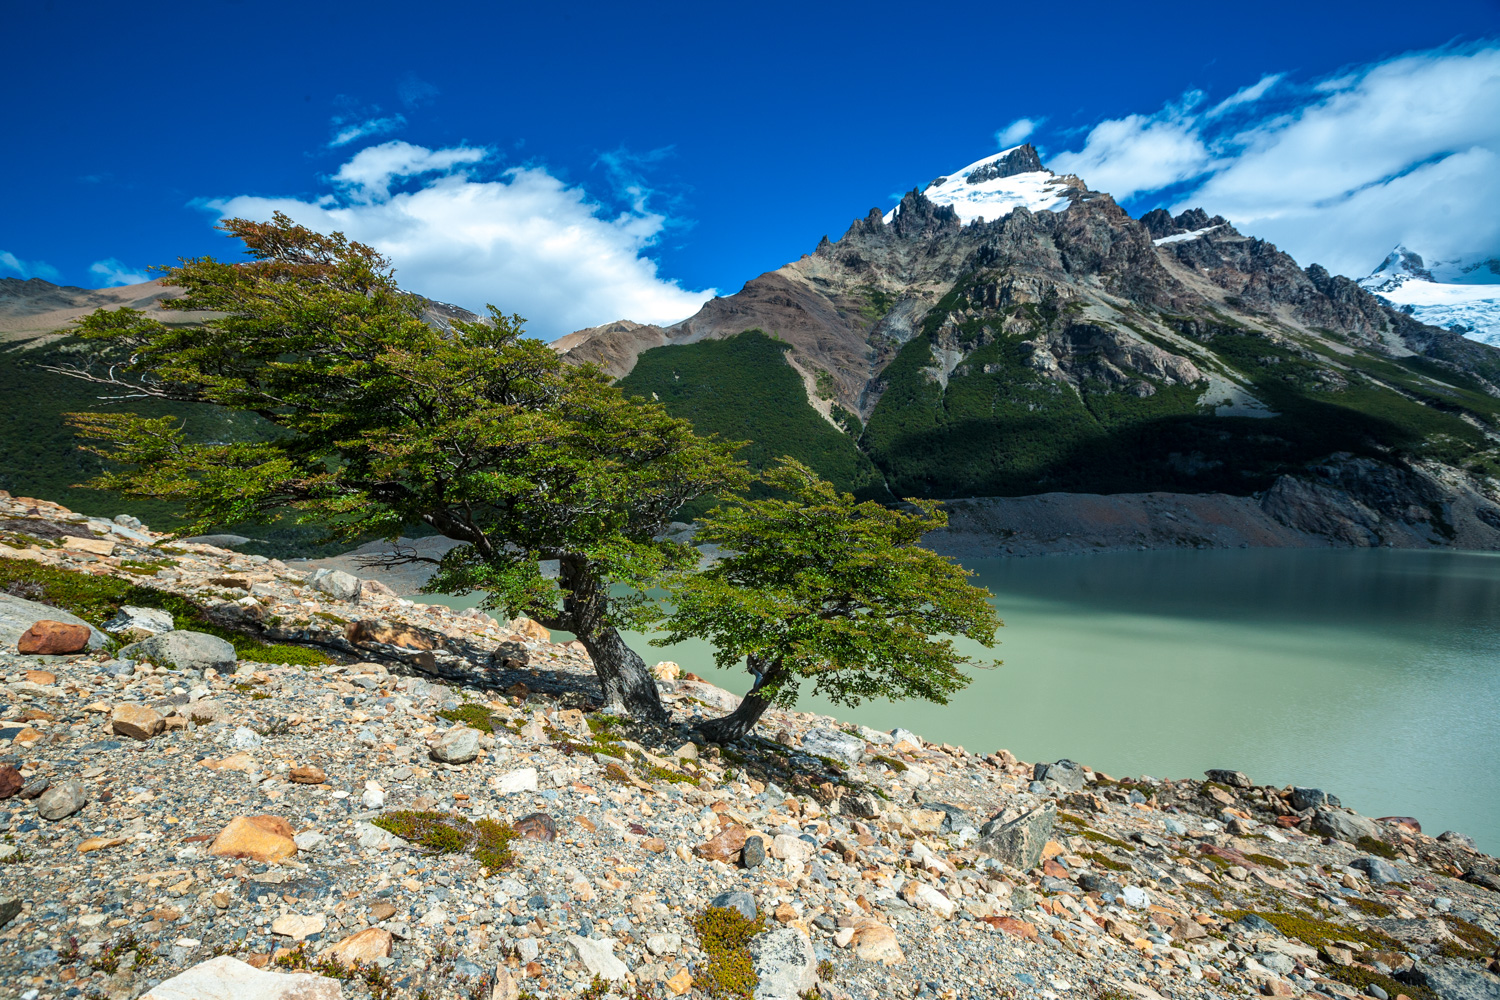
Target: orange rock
136	721
259	838
364	947
654	844
50	638
530	629
47	676
1013	926
679	984
308	775
1050	867
877	943
369	630
724	847
1051	849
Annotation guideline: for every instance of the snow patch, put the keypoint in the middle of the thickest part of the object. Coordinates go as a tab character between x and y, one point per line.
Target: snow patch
1184	237
997	197
1460	294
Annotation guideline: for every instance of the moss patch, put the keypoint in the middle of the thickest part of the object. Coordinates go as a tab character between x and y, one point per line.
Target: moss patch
1100	838
1379	848
472	715
1317	933
446	833
1361	978
724	935
1266	861
1370	907
1105	861
95	599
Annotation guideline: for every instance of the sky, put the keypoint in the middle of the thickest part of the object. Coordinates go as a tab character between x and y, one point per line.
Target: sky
579	163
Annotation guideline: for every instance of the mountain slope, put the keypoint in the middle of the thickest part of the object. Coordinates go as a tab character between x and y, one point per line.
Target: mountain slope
1009	332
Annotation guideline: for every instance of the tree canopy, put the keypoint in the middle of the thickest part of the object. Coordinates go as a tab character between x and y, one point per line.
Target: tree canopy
382	419
820	588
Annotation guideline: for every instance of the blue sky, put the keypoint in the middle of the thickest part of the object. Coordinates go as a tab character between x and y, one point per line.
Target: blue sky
589	162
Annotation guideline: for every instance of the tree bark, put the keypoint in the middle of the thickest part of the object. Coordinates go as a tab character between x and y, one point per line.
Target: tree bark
627	681
737	724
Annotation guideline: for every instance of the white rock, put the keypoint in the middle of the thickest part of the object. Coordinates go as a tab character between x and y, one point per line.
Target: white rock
789	848
435	916
598	956
907	736
370	835
245	739
153	620
307	840
521	780
1136	897
374	795
930	898
226	978
663	944
297	926
528	949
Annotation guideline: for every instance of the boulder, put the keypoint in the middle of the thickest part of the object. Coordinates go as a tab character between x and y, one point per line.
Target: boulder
138	722
1342	825
666	670
1064	775
724	846
598	956
1234	779
836	745
789	848
369	630
226	978
307	774
258	838
876	943
53	638
336	583
861	804
954	818
17	616
133	619
364	947
741	901
61	801
1379	870
1018	842
1311	798
1453	982
785	963
530	629
184	650
458	745
514	782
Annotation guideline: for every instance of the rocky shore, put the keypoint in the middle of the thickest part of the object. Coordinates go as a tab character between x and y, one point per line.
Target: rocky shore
257	781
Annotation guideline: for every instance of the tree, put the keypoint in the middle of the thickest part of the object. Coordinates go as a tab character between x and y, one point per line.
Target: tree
378	421
819	587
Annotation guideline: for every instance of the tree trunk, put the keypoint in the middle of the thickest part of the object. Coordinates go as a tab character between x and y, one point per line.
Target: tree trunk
738	723
628	684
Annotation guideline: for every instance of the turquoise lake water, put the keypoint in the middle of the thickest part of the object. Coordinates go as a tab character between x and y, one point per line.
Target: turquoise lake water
1374	675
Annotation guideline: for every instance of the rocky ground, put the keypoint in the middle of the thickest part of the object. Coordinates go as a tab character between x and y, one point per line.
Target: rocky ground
361	795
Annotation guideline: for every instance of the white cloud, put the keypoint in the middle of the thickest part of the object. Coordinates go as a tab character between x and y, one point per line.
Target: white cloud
348	132
111	273
1339	170
27	268
523	240
1015	133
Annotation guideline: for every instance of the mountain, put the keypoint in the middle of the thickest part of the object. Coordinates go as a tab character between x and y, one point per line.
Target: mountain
1461	294
35	308
1006	331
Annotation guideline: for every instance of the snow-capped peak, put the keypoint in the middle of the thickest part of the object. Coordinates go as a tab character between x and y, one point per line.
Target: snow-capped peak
1460	293
997	185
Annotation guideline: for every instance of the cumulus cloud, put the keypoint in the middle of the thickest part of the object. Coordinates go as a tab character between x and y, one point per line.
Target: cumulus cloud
1015	133
1335	170
27	268
520	238
110	272
369	128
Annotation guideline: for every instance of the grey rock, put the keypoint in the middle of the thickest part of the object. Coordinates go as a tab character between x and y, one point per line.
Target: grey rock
1453	982
785	962
18	615
1063	775
900	735
1234	779
153	620
831	743
1252	924
1375	991
1312	798
10	909
1278	963
1454	837
245	738
458	745
61	801
336	584
742	901
1380	871
1019	842
184	650
861	804
598	956
956	818
1090	882
754	852
1342	825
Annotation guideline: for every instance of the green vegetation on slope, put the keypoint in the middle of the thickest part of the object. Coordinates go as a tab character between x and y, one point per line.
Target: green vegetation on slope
1002	428
743	389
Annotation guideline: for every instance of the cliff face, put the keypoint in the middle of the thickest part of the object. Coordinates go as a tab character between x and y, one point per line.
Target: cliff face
1065	346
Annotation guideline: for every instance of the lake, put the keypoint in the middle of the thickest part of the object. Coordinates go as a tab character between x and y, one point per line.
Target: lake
1374	675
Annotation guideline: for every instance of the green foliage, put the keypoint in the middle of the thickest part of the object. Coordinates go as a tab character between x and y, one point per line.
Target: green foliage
471	715
1360	979
95	599
724	936
1317	933
1105	861
831	590
742	389
1377	847
488	841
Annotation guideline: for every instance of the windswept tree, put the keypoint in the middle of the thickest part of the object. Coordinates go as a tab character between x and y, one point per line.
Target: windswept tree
820	588
379	421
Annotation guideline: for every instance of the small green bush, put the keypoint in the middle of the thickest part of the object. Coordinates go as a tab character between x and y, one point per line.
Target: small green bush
724	935
446	833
